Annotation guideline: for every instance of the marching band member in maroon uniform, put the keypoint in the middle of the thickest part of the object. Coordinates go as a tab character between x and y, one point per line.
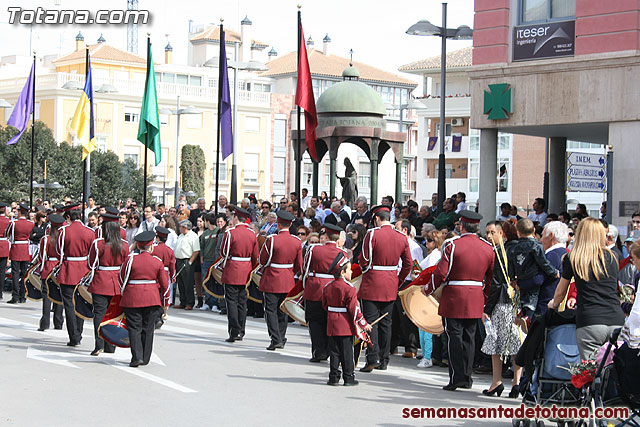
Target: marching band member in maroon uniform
281	256
48	260
111	211
383	247
142	280
106	256
316	263
465	270
340	300
19	232
165	253
4	243
239	247
74	241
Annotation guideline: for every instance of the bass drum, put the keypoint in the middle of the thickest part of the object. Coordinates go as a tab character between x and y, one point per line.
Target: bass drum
113	328
33	283
82	299
53	287
422	310
212	284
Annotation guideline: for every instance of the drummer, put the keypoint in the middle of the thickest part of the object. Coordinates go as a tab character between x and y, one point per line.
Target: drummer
281	257
165	253
106	256
49	259
465	270
239	248
316	262
142	280
19	232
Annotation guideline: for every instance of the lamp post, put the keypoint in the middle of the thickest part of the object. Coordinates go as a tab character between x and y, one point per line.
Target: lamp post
463	32
178	112
236	65
414	104
55	185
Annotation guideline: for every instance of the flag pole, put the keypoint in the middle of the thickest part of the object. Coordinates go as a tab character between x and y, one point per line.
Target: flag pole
84	162
297	147
33	130
146	135
220	63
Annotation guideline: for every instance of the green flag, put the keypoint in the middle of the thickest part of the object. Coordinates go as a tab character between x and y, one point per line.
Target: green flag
149	129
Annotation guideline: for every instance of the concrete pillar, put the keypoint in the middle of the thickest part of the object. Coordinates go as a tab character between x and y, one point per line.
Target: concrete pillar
315	178
557	175
333	170
488	174
374	173
399	164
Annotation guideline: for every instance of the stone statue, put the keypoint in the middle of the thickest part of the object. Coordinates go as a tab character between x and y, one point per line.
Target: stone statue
349	183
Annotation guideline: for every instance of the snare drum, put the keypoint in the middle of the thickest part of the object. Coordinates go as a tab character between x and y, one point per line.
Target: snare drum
422	310
82	299
33	283
294	307
53	287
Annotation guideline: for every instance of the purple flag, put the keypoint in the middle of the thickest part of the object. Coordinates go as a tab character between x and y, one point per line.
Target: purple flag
457	143
24	106
224	107
432	143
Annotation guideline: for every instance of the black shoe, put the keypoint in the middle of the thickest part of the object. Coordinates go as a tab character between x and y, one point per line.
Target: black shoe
135	363
223	311
496	391
199	303
41	329
23	300
233	339
515	391
315	360
73	343
12	301
351	383
382	367
159	324
274	346
369	367
97	351
333	383
57	327
450	387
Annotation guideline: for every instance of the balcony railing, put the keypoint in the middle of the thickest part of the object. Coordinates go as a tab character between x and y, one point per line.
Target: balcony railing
136	87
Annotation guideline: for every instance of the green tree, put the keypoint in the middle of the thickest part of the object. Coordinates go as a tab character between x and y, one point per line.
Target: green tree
192	168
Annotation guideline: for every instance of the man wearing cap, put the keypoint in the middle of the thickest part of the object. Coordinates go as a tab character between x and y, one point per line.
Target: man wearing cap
143	281
74	241
186	252
281	256
48	260
465	270
165	253
316	264
239	247
106	256
383	247
4	243
19	232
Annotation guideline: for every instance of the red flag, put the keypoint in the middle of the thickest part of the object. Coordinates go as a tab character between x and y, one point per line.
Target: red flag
305	99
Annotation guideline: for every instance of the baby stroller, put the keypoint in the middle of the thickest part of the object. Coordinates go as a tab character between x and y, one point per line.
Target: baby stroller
551	380
615	385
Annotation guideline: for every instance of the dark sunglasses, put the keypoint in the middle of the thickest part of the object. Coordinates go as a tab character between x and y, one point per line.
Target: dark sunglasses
302	233
429	239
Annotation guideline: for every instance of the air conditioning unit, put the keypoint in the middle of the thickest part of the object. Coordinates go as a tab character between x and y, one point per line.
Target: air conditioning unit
457	122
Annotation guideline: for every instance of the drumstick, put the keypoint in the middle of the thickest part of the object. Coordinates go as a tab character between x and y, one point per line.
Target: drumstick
378	319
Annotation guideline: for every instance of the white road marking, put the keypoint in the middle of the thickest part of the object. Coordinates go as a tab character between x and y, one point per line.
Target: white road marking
54	357
150	377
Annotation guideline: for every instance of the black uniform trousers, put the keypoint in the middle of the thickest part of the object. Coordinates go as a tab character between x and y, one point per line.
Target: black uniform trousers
236	300
185	282
75	324
275	318
461	335
141	322
100	306
3	274
341	353
381	332
404	332
316	319
45	320
18	273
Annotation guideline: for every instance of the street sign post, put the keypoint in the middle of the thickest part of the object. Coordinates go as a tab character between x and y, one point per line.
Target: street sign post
586	172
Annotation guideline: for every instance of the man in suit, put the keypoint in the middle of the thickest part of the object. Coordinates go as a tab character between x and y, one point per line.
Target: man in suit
362	211
337	215
195	213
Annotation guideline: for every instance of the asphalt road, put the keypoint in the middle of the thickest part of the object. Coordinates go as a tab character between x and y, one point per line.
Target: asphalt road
196	378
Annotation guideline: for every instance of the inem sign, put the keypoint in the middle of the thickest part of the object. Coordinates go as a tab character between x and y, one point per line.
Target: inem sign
545	40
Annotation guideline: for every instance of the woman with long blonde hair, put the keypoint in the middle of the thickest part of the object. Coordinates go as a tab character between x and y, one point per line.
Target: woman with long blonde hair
595	270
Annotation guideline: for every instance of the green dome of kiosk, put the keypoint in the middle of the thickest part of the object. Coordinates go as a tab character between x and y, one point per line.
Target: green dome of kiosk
350	96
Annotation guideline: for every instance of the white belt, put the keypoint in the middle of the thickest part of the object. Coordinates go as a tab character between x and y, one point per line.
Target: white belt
76	258
21	242
106	268
337	309
385	267
142	282
321	275
52	259
281	265
237	258
166	269
464	283
3	239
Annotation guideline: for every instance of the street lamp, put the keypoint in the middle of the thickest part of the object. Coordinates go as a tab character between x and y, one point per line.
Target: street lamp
463	32
413	104
55	185
236	65
178	112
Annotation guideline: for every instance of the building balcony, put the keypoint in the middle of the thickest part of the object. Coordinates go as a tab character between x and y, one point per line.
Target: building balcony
456	106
